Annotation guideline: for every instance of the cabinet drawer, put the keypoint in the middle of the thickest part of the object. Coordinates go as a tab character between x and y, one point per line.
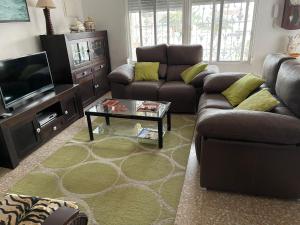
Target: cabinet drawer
51	129
100	67
82	73
70	108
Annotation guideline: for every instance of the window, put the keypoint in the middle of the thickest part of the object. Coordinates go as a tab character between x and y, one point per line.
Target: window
155	22
222	27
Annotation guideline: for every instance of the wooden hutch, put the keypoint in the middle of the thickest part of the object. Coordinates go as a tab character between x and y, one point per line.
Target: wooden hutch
80	58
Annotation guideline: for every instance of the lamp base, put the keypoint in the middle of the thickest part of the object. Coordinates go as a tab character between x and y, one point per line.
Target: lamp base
49	25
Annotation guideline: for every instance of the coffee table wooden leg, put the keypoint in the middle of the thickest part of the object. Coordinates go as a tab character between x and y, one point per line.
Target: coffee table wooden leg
160	133
90	127
107	120
169	121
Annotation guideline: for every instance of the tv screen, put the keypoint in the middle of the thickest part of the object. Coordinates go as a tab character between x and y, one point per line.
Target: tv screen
24	78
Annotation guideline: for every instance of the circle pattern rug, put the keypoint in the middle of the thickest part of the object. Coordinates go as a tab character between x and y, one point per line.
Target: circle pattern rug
115	179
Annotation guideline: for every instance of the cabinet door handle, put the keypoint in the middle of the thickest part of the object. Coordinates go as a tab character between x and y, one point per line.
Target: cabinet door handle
38	130
66	112
54	128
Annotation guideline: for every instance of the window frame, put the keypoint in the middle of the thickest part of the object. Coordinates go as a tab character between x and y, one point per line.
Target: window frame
187	31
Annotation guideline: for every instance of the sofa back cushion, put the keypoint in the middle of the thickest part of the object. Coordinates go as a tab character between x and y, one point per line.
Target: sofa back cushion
174	72
181	57
184	54
288	85
271	67
156	53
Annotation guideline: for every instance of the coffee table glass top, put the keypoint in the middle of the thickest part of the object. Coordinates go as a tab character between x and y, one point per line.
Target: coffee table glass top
128	108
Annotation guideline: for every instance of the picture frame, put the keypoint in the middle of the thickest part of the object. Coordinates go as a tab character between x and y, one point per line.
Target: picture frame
14	11
291	16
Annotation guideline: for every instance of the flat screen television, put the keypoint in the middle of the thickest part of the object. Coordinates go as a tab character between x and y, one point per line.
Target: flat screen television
24	78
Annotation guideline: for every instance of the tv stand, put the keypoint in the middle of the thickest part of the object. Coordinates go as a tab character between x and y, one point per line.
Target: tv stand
21	133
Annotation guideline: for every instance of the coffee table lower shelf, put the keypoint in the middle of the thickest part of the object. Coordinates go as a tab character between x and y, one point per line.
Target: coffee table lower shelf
160	127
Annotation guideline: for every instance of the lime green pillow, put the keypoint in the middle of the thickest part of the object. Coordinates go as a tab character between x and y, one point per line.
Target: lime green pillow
242	88
190	73
147	71
261	101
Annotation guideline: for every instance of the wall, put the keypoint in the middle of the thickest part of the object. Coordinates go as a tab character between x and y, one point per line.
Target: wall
110	15
17	39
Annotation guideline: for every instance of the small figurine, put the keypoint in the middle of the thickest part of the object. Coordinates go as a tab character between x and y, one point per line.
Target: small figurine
77	26
89	24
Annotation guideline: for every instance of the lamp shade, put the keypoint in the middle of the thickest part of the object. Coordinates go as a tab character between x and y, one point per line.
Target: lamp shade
45	4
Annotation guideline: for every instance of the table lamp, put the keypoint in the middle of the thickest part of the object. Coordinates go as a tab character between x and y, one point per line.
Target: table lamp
47	5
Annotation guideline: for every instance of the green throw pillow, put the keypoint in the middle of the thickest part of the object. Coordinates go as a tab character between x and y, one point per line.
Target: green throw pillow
147	71
242	88
261	101
190	73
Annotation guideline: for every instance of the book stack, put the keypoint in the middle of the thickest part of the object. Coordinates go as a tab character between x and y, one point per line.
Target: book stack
148	106
148	136
114	105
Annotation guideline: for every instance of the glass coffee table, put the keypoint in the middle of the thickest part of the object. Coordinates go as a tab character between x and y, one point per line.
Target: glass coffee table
131	109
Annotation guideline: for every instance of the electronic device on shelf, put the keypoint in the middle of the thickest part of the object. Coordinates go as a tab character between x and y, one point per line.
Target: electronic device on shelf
45	118
24	78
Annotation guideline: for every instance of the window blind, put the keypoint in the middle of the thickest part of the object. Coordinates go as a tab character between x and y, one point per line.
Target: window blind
150	5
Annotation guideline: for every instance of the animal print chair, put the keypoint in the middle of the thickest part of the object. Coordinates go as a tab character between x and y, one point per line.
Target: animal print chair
27	210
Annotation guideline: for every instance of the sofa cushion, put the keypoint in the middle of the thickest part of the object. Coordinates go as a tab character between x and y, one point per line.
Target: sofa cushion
216	83
242	88
174	72
145	90
181	95
146	71
217	101
156	53
271	67
261	101
288	85
184	54
189	74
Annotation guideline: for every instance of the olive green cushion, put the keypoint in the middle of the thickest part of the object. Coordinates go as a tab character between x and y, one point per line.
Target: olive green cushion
146	71
190	73
242	88
261	101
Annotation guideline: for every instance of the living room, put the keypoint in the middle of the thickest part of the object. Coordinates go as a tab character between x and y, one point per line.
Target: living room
149	112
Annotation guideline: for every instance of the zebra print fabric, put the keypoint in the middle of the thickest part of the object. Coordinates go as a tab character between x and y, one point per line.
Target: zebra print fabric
27	210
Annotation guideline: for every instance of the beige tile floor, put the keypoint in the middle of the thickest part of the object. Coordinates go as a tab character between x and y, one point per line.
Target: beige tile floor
197	206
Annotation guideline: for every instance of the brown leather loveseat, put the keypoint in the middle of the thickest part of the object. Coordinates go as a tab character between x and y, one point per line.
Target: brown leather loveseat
173	60
247	151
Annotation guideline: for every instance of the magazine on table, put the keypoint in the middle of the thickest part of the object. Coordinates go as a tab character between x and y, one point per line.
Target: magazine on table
148	106
148	133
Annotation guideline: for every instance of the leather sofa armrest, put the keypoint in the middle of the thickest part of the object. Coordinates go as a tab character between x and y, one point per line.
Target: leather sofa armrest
198	81
62	216
243	125
123	74
217	83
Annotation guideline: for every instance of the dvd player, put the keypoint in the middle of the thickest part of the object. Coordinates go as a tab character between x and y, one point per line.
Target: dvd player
46	117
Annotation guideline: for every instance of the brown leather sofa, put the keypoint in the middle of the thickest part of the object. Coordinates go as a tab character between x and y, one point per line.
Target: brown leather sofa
173	60
252	152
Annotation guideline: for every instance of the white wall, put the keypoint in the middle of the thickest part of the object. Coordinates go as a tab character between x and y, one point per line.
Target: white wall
110	15
18	39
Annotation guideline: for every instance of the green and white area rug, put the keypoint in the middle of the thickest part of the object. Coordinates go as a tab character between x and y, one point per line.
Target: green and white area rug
115	179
